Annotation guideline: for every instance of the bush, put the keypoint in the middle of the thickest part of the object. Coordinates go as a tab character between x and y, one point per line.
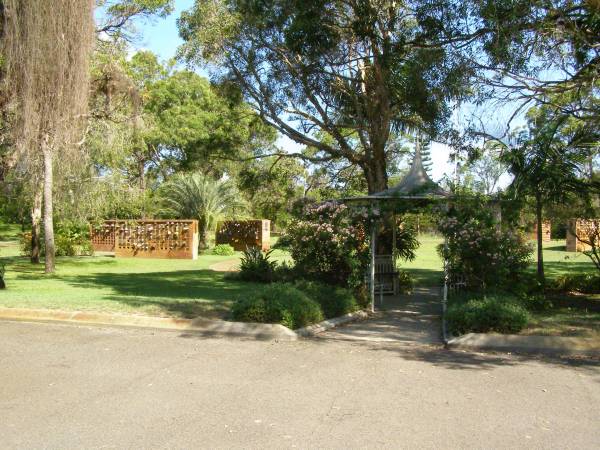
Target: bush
223	250
487	257
278	303
500	314
70	239
257	266
334	301
329	244
587	283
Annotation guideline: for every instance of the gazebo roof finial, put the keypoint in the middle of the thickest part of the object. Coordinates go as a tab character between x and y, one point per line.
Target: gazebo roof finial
416	182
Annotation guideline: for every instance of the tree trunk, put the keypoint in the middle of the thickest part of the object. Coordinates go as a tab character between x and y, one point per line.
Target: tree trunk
540	250
202	236
36	218
375	171
142	173
48	210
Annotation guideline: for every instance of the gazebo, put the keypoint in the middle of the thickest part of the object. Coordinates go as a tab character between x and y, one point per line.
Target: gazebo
415	190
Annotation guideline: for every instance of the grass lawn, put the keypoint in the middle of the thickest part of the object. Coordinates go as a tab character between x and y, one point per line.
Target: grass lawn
427	267
178	288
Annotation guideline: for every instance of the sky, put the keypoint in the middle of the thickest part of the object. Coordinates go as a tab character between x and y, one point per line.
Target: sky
161	37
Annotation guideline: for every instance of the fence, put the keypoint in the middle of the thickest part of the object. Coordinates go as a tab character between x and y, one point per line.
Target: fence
245	233
172	239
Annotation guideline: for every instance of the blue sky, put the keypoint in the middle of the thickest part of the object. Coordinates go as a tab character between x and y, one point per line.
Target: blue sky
161	37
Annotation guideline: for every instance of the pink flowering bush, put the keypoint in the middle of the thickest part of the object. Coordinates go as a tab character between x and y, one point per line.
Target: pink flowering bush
329	243
484	255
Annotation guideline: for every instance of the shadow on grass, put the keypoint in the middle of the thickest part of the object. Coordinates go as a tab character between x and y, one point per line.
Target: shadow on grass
556	248
554	269
187	293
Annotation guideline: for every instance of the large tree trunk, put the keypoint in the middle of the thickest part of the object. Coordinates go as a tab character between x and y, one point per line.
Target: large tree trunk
36	218
48	210
375	171
540	250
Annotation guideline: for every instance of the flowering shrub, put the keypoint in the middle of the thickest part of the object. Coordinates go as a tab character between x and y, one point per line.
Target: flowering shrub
483	255
329	243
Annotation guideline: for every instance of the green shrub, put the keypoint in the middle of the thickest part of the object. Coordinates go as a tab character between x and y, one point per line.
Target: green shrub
334	301
503	315
256	265
223	250
70	239
587	283
328	243
278	303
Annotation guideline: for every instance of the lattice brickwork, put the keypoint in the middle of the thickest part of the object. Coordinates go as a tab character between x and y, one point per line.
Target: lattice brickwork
175	239
581	228
245	233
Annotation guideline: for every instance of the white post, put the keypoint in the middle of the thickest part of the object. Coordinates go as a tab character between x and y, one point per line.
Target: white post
373	238
445	293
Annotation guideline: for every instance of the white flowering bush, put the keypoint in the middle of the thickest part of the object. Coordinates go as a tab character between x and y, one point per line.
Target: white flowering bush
330	244
486	256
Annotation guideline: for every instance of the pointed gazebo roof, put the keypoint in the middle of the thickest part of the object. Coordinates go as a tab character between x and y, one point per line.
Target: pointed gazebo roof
415	185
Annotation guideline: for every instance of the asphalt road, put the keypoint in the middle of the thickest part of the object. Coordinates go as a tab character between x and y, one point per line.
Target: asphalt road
66	386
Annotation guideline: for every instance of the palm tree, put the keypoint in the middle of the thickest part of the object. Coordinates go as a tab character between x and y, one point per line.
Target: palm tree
199	196
545	161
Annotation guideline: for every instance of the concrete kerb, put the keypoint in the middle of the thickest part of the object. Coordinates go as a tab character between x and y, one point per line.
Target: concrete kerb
547	345
197	326
325	325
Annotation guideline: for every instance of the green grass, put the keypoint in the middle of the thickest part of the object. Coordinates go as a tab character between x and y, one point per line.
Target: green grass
184	288
179	288
9	232
427	268
570	316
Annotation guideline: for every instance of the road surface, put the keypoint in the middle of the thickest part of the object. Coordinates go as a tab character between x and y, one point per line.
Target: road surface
68	386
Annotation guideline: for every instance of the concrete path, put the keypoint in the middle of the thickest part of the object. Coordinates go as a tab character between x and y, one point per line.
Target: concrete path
408	319
73	387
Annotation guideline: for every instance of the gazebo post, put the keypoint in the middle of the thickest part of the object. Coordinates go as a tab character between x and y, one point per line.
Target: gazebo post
372	274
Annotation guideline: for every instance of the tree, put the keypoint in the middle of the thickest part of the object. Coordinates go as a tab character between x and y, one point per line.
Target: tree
526	53
545	161
47	47
117	20
198	196
425	148
487	171
353	71
271	185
